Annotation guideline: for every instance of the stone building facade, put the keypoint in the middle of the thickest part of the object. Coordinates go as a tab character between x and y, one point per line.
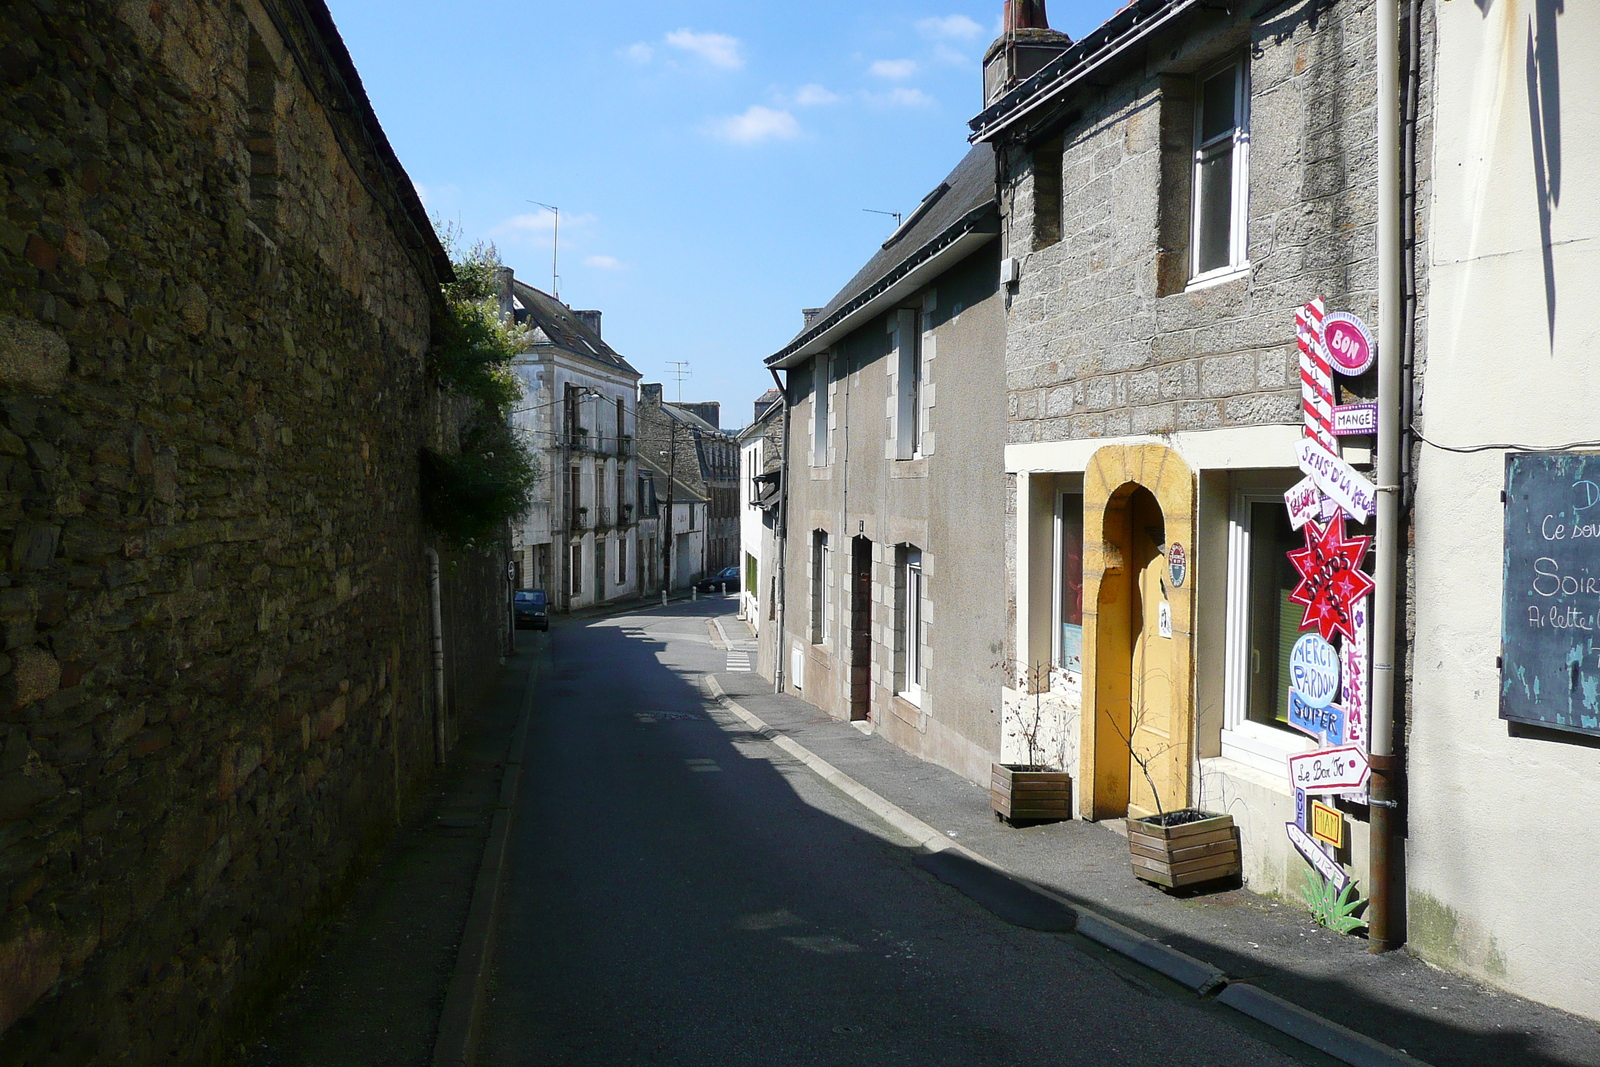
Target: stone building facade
215	688
1174	187
891	568
684	445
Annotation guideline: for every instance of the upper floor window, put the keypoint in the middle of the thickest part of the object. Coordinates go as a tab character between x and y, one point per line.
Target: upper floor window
819	411
905	348
1221	171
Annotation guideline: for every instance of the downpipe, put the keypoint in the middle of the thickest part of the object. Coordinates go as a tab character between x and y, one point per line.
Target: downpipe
1382	926
437	615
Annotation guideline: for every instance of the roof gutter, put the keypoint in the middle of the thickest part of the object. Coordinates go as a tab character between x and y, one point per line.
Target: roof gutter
974	230
1129	27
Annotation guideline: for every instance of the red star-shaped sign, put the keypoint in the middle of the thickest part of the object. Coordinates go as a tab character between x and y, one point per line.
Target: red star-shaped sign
1331	578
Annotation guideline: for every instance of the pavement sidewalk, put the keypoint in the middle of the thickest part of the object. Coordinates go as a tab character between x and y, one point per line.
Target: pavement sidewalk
1441	1018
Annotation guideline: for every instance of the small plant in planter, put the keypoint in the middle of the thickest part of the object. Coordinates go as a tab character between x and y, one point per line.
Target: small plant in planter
1178	848
1034	791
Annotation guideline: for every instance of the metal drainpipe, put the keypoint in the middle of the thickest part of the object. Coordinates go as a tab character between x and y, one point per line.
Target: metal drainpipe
1382	929
438	655
778	674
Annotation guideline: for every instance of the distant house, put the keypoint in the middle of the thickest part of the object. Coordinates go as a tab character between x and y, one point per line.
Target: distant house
579	540
684	438
678	529
760	490
892	605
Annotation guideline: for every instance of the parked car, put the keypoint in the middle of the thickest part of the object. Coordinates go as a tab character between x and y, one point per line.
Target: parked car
727	577
531	608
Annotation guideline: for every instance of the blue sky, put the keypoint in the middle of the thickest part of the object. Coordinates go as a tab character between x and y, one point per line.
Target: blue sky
711	159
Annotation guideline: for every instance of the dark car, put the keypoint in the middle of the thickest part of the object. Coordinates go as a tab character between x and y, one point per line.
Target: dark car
531	608
727	577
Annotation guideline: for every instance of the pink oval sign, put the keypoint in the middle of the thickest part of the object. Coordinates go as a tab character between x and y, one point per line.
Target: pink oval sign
1349	343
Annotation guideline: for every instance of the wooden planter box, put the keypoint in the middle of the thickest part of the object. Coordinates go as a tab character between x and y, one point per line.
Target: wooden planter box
1021	793
1191	852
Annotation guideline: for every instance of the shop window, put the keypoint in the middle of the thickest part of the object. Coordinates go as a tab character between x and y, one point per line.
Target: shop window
1221	172
1263	625
1068	652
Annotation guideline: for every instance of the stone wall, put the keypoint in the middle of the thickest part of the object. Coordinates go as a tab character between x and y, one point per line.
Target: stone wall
1102	338
214	687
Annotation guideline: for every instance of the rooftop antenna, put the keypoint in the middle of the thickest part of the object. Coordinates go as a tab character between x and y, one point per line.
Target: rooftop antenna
898	217
555	248
680	370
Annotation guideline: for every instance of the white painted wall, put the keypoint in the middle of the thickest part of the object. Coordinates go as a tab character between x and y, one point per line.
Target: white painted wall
1501	871
751	530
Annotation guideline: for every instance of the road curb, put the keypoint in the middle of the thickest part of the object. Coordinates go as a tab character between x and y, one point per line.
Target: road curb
1199	977
462	1015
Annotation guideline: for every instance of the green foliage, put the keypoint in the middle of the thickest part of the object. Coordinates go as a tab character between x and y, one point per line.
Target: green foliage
469	495
1331	908
473	346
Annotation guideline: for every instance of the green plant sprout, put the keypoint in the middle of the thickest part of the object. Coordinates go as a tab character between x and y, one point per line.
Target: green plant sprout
1333	908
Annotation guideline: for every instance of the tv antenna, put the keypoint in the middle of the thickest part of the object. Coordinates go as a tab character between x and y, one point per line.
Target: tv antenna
898	217
555	248
680	370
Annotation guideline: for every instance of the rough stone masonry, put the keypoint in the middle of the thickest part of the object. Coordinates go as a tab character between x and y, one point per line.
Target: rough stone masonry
215	674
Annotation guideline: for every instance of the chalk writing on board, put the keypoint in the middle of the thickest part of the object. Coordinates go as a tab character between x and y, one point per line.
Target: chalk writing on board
1550	673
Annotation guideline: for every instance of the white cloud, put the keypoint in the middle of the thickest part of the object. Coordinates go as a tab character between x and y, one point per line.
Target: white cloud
900	96
949	27
757	124
538	224
814	94
893	69
604	262
717	49
945	54
639	53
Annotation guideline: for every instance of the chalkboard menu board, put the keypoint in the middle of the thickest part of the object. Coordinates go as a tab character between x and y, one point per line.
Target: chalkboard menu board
1550	664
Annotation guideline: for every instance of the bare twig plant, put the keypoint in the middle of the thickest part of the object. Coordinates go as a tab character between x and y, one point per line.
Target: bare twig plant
1143	759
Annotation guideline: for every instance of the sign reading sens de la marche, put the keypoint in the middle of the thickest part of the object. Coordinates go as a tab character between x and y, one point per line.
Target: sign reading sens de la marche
1550	594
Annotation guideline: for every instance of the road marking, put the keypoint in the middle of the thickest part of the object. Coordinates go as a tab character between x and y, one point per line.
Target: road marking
702	764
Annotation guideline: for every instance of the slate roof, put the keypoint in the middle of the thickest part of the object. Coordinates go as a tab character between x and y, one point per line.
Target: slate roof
556	324
958	202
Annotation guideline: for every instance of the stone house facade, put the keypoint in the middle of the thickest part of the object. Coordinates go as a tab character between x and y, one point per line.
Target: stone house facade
682	442
892	465
216	682
579	541
1174	187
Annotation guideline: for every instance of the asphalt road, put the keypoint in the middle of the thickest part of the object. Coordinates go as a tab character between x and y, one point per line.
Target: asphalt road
683	892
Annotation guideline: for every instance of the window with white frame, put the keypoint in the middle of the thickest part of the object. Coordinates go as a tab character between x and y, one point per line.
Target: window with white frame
821	595
1263	625
910	665
819	410
1221	171
1068	593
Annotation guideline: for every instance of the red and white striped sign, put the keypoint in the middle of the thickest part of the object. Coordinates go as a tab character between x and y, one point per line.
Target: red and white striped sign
1316	375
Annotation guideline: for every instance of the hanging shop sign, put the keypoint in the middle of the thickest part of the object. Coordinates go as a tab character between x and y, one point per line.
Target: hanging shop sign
1333	770
1349	343
1327	824
1177	564
1304	502
1316	374
1353	419
1314	670
1331	578
1352	492
1326	724
1320	860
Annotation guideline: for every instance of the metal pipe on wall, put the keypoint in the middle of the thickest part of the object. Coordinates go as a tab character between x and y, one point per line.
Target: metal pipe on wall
439	735
1382	930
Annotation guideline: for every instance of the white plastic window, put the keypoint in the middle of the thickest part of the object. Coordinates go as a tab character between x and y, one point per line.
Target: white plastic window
1221	172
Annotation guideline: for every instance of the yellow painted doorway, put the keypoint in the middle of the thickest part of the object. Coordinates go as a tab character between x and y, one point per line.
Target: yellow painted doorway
1138	641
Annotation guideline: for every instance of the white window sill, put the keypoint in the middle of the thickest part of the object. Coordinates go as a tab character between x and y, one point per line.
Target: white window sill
1220	276
914	699
1265	748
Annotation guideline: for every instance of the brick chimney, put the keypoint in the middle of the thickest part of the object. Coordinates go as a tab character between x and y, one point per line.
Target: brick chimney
590	319
1025	45
650	394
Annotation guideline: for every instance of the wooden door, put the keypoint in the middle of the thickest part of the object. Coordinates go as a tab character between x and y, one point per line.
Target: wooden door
1155	733
861	629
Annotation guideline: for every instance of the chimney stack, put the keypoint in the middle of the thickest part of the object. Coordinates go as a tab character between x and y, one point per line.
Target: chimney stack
1026	44
590	319
650	394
